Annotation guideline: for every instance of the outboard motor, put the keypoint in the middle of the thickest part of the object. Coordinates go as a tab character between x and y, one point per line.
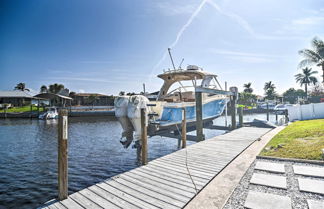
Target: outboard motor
135	104
121	105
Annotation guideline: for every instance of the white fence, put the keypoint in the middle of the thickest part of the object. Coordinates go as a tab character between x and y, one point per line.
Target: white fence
306	112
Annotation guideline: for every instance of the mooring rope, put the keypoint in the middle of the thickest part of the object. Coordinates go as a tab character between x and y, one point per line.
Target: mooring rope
186	162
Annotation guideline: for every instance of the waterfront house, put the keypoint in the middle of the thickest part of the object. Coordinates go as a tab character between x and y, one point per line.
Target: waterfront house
15	98
94	99
56	99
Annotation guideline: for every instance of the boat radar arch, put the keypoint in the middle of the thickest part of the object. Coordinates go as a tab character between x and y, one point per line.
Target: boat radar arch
192	73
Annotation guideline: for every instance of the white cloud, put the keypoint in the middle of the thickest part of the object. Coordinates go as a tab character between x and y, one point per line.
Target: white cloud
315	20
246	26
245	56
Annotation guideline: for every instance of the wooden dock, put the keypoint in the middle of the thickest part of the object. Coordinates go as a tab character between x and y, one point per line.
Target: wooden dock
167	182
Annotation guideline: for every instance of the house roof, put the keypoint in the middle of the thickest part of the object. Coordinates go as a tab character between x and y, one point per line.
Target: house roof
15	94
89	94
51	96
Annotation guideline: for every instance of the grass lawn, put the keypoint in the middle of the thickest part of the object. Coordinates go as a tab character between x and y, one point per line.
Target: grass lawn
302	139
22	109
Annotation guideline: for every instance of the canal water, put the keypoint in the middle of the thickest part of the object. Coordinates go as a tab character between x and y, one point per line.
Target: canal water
28	156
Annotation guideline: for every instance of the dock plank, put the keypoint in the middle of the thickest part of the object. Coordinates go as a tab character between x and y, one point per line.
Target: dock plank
165	182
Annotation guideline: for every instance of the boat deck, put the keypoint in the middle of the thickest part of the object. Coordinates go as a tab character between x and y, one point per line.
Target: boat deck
166	182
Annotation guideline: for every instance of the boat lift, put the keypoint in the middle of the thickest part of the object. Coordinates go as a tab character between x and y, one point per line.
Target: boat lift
199	124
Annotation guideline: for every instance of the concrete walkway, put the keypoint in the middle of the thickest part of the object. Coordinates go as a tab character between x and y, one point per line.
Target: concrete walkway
218	191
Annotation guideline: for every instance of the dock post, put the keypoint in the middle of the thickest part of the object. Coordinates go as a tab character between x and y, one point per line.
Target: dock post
184	129
144	136
233	106
240	111
199	119
38	108
5	111
286	116
267	111
31	110
62	155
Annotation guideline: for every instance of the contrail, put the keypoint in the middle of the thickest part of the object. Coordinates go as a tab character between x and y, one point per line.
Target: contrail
179	34
238	19
246	26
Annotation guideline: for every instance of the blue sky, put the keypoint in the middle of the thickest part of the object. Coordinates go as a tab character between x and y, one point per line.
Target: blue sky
108	46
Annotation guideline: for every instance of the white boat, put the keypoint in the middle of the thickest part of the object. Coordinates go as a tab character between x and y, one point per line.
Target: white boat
166	112
51	113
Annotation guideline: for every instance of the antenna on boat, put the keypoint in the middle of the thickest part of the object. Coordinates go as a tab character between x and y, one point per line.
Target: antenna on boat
181	63
169	49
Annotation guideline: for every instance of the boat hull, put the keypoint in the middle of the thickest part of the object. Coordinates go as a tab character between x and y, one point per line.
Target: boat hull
172	115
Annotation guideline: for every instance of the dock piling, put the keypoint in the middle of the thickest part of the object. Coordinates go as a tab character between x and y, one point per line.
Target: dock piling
199	119
286	116
31	110
184	129
144	137
267	111
240	112
234	90
62	154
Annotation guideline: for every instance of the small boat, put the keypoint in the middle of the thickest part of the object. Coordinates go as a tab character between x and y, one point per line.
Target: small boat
165	114
51	113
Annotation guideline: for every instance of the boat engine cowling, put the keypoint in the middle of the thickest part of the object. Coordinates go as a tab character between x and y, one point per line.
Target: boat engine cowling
121	105
135	104
128	113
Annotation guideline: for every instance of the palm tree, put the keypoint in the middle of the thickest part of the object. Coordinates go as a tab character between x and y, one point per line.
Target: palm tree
269	85
43	89
21	87
247	88
269	89
306	78
55	88
313	56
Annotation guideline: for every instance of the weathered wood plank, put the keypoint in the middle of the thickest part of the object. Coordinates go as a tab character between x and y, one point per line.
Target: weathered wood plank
151	191
98	199
165	186
143	196
195	173
176	184
112	197
84	201
69	203
165	182
125	196
172	177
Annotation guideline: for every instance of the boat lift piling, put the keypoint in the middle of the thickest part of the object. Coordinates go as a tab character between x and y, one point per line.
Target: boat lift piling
233	93
143	147
184	129
62	155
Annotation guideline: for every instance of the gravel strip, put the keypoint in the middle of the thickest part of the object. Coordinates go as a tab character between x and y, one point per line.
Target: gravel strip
298	199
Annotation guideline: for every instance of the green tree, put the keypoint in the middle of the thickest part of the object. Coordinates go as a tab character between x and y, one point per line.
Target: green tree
246	98
55	88
291	95
314	56
306	78
21	87
43	89
269	89
92	99
247	88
